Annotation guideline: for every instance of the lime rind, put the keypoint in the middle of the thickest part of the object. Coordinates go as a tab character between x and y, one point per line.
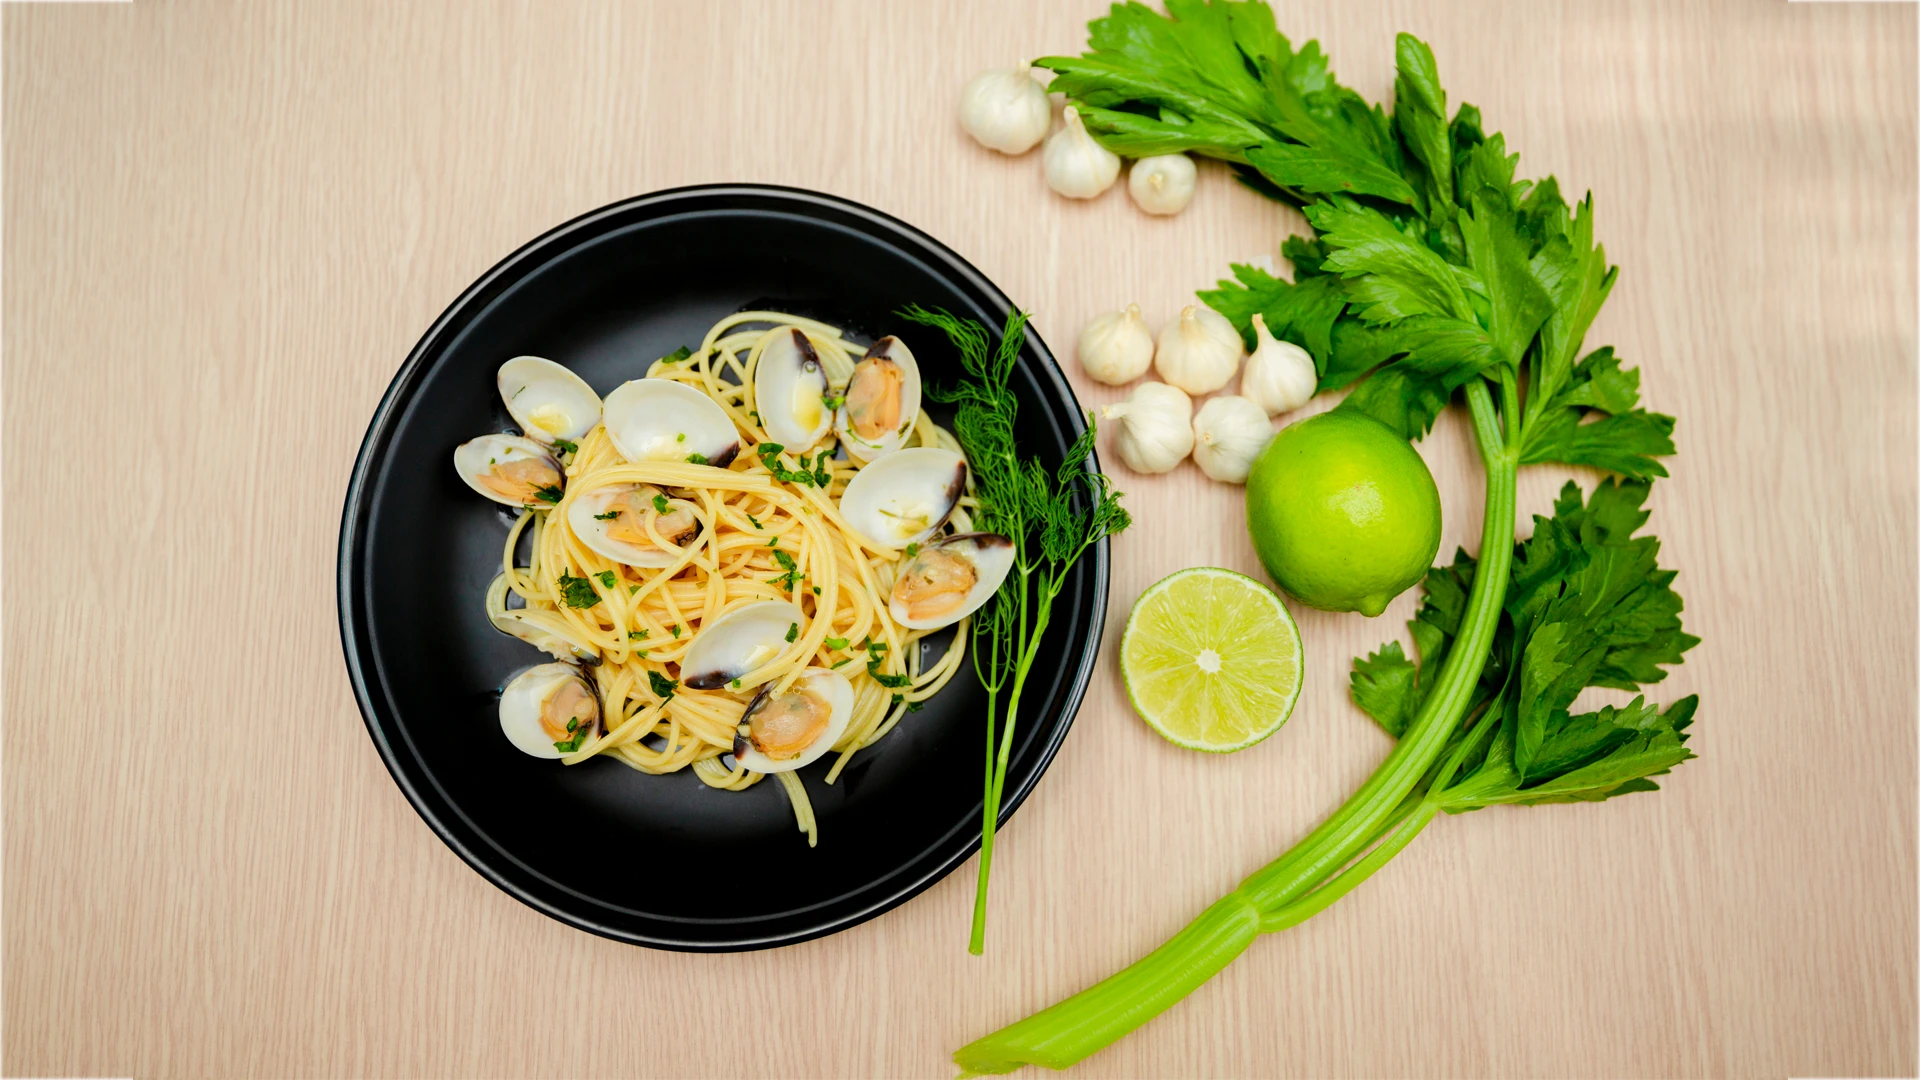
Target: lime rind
1257	651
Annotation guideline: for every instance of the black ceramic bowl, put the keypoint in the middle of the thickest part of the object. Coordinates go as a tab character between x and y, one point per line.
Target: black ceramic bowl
663	860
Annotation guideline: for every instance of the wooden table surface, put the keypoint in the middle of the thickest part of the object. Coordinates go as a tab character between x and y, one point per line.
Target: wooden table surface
226	224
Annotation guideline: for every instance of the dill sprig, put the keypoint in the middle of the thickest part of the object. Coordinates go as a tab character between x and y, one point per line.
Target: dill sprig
1052	517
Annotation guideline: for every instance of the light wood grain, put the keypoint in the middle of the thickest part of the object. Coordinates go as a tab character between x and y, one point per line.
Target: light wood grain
226	225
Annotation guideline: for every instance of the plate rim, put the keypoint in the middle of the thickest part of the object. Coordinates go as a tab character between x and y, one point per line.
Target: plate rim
354	638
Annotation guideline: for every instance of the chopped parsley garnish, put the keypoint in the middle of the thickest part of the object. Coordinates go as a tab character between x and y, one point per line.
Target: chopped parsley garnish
607	578
912	550
577	592
675	628
833	402
696	459
793	631
677	355
636	635
566	447
756	522
608	516
662	686
631	589
769	455
549	493
792	576
836	643
572	744
682	437
891	682
659	504
840	663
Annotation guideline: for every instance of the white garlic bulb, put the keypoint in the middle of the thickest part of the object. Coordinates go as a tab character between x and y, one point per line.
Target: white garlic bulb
1280	376
1153	429
1116	348
1228	433
1199	351
1162	184
1004	109
1078	167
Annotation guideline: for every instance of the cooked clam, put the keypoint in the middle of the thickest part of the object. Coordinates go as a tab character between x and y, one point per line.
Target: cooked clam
738	642
881	403
662	420
789	391
615	521
548	705
511	470
783	732
905	497
547	631
548	401
949	579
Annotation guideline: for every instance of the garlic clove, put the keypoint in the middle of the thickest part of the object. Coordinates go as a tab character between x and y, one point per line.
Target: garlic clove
1005	109
1153	428
1076	165
1280	376
1228	433
1162	184
1199	351
1116	347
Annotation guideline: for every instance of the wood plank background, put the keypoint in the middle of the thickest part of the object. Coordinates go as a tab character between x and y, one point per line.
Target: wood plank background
226	224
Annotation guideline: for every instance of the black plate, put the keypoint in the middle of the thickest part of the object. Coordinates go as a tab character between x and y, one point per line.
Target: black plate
663	860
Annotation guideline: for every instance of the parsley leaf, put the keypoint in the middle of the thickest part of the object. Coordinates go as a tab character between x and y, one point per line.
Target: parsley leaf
577	592
548	493
793	632
607	578
566	447
677	355
836	643
659	503
608	516
661	686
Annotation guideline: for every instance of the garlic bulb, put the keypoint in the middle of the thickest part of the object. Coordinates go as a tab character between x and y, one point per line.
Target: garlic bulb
1280	375
1153	429
1228	433
1004	109
1162	184
1199	351
1078	167
1116	348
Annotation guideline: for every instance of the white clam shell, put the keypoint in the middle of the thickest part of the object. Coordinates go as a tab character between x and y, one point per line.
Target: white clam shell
544	630
789	382
662	420
593	532
475	458
522	700
548	401
992	558
864	450
838	693
905	497
737	642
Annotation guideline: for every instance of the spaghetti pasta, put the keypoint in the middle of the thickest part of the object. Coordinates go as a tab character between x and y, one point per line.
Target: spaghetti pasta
768	526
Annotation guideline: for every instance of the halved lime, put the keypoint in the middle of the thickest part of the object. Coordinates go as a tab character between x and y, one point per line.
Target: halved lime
1211	660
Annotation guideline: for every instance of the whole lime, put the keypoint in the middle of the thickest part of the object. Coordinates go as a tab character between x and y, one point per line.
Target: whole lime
1343	512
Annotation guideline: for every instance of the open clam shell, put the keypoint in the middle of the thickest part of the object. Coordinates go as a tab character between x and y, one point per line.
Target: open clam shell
614	520
549	704
881	403
738	642
510	470
662	420
949	579
789	391
789	731
544	630
548	401
905	497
